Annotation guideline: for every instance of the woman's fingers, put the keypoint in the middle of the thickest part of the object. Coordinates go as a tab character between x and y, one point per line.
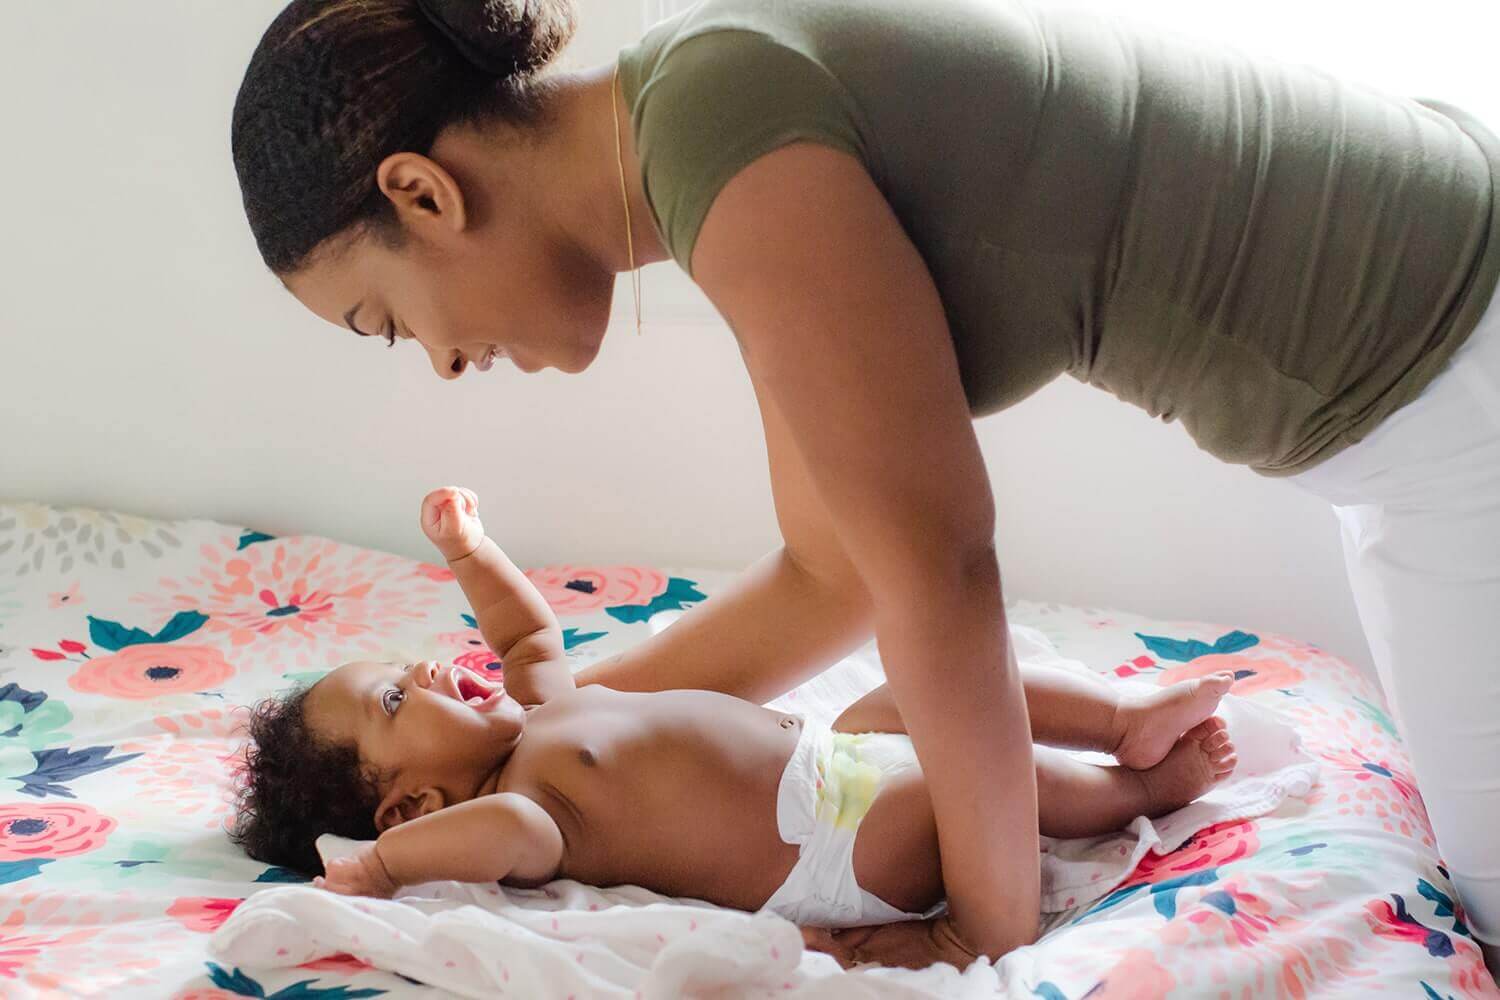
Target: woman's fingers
824	940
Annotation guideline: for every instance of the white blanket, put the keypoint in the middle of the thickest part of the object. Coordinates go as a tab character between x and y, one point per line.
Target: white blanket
571	940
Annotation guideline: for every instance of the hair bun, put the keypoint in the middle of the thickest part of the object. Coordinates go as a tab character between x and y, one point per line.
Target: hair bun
504	37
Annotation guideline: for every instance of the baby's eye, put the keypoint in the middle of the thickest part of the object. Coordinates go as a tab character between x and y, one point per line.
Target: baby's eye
391	699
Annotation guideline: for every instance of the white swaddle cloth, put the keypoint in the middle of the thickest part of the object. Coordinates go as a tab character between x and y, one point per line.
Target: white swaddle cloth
571	940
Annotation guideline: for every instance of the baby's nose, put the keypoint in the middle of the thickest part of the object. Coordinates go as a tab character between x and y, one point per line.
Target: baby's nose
426	673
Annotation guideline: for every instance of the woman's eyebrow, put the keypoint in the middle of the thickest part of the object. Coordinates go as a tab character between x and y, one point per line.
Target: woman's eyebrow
349	318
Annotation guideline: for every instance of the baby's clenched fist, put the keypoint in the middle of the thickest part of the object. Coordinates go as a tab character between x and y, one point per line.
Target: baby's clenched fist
450	518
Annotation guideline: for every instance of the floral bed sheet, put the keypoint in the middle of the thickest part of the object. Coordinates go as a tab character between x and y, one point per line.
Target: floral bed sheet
129	648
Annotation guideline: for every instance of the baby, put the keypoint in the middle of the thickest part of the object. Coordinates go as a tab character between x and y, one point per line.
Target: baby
688	793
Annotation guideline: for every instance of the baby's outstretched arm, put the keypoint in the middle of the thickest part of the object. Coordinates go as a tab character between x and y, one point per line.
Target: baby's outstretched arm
492	837
511	613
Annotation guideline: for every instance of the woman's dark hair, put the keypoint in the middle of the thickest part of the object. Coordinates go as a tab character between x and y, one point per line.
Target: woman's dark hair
295	786
336	86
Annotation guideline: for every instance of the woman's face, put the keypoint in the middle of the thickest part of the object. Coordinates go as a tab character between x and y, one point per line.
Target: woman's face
507	289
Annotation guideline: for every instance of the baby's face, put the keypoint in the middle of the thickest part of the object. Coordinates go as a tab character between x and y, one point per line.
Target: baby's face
419	725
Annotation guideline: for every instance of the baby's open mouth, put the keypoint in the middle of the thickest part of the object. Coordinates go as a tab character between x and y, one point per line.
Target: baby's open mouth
474	691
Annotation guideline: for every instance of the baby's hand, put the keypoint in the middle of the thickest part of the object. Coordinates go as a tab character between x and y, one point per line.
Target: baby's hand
360	874
450	517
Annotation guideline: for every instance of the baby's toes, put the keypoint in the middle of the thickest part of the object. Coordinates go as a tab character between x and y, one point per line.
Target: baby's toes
1223	758
1209	730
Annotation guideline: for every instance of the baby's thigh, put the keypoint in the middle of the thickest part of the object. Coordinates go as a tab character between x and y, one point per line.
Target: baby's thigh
896	848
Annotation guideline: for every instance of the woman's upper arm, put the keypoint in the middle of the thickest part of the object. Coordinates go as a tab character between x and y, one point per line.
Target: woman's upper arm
845	337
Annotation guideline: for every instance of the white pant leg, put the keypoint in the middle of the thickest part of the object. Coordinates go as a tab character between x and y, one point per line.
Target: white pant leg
1419	509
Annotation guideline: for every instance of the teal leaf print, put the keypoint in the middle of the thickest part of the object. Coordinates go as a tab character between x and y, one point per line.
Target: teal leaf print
574	637
679	592
61	764
113	636
1375	715
1444	905
278	874
30	719
1183	650
15	871
469	621
182	623
238	983
1433	994
1047	991
249	538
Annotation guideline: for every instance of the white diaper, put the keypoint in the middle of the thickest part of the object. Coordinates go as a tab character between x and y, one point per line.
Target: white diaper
827	787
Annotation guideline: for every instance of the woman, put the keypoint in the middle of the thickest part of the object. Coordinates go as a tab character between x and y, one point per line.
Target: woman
911	215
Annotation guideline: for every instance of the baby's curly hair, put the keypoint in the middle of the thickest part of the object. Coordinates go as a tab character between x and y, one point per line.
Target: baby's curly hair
296	785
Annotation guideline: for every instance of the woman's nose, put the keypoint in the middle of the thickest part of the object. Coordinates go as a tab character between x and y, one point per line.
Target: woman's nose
449	365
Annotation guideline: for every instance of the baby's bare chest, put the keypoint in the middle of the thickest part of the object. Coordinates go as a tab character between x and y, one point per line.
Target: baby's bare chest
660	805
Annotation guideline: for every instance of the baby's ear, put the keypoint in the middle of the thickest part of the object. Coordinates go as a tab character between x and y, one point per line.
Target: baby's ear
400	805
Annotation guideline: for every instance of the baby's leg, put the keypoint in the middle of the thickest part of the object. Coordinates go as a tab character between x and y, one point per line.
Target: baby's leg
1075	799
1085	712
1080	712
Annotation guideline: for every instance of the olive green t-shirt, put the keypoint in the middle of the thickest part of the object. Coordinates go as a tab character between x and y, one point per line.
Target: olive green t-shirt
1271	255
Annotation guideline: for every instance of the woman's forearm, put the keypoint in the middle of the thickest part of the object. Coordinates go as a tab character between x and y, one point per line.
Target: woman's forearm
774	627
949	663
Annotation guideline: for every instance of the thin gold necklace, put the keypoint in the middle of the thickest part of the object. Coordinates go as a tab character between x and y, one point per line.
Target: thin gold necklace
635	276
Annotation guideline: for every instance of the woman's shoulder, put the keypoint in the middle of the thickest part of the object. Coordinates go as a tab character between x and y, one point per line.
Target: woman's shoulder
709	95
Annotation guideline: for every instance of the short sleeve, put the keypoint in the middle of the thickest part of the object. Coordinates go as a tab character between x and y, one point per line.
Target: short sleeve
713	104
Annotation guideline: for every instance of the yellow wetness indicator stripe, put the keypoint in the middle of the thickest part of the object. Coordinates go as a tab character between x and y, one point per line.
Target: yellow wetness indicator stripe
848	784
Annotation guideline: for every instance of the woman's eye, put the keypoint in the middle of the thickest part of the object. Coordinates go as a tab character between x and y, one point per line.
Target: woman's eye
391	699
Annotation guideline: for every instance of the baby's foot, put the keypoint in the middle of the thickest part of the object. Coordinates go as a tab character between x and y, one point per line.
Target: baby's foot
450	519
1148	725
1202	758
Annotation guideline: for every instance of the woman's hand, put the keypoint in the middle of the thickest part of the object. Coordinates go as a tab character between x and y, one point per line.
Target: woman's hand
450	519
359	874
913	944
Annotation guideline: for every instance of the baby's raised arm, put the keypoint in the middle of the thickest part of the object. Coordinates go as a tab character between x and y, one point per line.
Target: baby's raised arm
511	613
492	837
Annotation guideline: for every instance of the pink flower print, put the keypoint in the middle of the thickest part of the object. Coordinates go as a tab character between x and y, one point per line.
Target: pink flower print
188	778
64	598
482	662
202	913
577	590
50	831
1362	786
477	655
227	723
342	962
150	669
302	594
1136	976
1244	917
1251	674
1218	845
207	993
437	574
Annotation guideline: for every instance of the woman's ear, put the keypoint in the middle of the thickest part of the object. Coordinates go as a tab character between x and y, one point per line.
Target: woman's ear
401	805
422	192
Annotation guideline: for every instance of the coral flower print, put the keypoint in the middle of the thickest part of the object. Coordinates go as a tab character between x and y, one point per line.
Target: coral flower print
1251	675
302	595
149	670
577	590
202	913
1211	848
30	831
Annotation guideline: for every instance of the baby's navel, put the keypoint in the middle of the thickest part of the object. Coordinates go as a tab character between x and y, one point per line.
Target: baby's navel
586	757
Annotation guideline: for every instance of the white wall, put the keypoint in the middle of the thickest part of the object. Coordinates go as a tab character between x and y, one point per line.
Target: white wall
149	363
